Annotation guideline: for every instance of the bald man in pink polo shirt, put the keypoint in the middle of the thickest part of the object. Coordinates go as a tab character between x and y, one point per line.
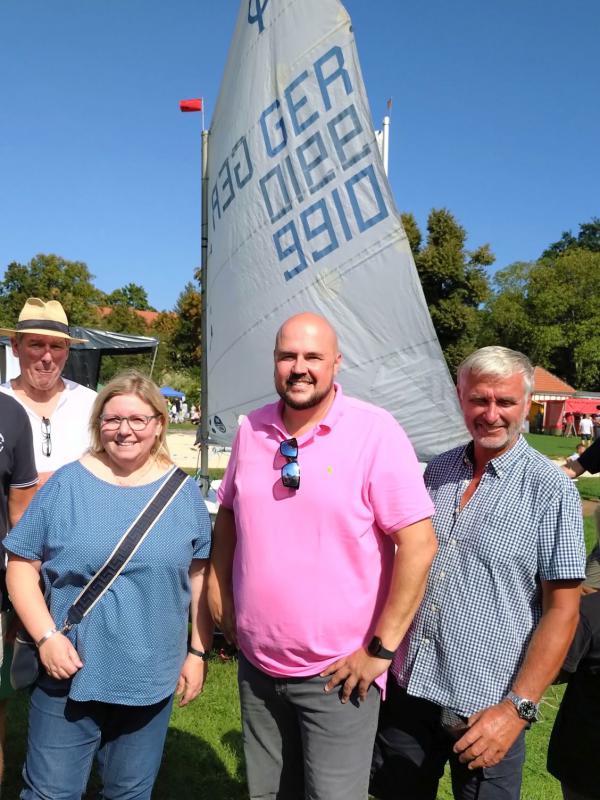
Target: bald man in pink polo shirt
321	551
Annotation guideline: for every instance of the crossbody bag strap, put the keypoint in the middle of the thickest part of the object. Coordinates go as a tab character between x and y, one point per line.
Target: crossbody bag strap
125	548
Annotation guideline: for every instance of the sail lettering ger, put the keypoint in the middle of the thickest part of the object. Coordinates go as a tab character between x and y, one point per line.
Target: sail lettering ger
310	161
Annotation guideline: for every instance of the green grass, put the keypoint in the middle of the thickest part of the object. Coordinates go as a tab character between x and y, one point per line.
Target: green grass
179	427
589	488
553	446
203	754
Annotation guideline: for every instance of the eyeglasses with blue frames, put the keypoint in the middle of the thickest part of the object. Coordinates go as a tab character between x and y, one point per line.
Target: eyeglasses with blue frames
46	440
290	472
137	422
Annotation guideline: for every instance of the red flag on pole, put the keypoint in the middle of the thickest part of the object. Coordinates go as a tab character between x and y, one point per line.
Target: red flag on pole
191	105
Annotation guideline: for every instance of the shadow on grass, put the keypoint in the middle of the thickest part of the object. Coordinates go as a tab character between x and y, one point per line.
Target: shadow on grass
192	768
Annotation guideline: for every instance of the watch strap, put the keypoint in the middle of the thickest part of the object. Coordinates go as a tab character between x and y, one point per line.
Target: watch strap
200	653
377	649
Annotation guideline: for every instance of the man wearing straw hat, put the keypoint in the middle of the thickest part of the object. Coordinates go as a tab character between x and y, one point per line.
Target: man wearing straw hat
58	409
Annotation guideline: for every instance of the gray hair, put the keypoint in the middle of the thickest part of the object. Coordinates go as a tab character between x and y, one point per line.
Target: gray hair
498	362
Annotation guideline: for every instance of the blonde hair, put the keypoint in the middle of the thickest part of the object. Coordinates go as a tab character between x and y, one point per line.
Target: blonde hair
132	382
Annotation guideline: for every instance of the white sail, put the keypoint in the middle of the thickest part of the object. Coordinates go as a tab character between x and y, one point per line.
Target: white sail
301	217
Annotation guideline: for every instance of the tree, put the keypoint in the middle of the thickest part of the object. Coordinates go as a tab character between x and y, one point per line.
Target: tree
123	319
413	233
132	295
50	277
506	319
454	282
550	310
564	303
588	238
186	338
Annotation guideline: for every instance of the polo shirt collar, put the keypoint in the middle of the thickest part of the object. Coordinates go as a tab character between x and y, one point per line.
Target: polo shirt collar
334	412
503	462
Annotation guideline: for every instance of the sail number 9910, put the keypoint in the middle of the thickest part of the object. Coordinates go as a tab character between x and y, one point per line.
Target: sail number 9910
342	213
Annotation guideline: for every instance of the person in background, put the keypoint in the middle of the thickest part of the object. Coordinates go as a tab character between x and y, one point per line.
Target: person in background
596	421
106	687
586	429
18	479
579	451
322	546
588	461
575	738
58	408
501	604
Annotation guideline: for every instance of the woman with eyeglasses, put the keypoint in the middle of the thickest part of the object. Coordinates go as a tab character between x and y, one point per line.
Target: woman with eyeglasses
106	686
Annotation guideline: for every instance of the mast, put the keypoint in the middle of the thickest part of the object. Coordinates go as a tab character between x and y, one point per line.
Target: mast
204	321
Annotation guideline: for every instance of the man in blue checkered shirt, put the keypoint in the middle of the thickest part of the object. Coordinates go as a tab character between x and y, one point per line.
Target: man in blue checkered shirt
501	604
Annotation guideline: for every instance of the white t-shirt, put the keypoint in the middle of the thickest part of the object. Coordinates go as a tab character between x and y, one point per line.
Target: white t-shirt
586	426
69	426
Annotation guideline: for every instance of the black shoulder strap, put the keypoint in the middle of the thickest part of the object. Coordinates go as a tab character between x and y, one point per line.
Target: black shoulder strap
126	547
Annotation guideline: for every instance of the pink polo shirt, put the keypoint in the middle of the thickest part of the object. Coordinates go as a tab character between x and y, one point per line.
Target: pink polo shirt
312	566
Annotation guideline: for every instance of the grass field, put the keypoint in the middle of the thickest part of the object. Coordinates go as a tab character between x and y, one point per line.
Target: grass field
203	755
553	446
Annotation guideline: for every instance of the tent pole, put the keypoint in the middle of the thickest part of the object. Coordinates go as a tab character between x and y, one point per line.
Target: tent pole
154	358
204	325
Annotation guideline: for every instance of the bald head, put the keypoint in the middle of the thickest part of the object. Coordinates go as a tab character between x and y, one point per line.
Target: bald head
306	361
309	323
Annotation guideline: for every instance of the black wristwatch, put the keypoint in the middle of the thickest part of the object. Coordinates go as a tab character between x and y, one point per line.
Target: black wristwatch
200	653
376	649
526	709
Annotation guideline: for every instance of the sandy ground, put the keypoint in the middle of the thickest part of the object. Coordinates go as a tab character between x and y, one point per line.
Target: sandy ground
184	454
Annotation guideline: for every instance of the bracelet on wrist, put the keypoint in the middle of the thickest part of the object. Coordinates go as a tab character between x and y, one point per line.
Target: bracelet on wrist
45	637
200	653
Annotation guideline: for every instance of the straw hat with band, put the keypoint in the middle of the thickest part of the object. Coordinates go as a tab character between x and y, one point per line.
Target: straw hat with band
48	319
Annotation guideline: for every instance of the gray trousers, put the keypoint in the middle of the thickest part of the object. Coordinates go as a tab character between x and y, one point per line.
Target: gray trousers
301	743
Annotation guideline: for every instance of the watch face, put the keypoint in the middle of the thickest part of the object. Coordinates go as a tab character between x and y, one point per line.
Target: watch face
528	710
374	646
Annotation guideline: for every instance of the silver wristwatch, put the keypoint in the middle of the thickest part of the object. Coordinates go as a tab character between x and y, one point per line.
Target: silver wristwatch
526	709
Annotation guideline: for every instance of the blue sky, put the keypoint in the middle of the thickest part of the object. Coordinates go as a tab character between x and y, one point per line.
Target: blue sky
495	116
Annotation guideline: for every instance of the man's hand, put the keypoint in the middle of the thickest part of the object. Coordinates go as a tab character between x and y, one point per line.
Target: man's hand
222	611
359	669
59	657
492	732
191	679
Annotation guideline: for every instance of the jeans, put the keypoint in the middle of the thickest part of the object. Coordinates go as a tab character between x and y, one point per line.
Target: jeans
412	749
301	743
65	735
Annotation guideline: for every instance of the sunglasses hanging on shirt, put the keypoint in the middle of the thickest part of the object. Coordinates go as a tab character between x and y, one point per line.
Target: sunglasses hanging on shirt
290	472
46	438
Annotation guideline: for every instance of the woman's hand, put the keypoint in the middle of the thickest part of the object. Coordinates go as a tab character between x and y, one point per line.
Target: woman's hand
191	679
59	657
